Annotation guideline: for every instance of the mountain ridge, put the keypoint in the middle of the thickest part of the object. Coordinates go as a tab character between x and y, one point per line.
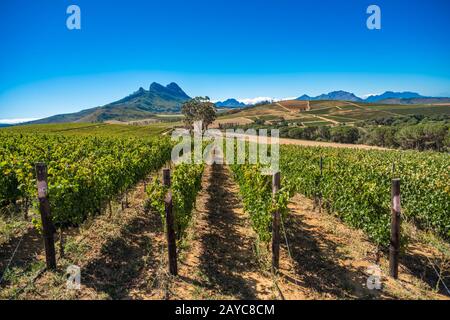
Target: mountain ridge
140	104
388	97
230	103
159	99
334	95
393	95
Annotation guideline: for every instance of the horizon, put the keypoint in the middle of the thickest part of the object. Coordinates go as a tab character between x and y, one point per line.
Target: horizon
275	49
246	101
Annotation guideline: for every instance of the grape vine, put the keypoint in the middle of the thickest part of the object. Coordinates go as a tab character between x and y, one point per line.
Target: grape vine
84	173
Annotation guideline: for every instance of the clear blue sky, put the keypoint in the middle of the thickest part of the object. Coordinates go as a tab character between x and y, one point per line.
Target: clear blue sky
219	48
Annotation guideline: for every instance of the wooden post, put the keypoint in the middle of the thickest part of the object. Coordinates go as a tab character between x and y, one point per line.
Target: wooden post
171	240
44	208
320	185
166	177
394	248
275	225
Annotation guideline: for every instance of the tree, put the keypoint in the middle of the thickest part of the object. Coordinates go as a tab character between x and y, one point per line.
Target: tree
324	133
344	134
447	141
429	136
296	133
199	109
382	136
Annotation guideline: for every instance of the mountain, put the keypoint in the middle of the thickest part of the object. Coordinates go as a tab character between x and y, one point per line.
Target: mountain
3	125
305	97
138	105
393	95
335	95
429	100
389	97
230	103
407	97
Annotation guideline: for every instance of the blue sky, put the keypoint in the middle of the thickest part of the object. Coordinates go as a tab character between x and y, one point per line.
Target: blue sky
219	48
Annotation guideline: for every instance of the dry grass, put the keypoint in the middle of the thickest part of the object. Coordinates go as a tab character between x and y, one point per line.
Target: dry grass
295	105
235	121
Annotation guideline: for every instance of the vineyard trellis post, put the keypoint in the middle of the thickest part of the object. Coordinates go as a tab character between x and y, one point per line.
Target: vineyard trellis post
394	248
320	185
275	225
44	208
171	240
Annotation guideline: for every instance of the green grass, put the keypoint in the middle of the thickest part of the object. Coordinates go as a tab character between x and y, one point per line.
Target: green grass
11	225
316	123
423	110
339	118
302	119
99	129
169	117
349	107
366	115
319	104
269	117
411	109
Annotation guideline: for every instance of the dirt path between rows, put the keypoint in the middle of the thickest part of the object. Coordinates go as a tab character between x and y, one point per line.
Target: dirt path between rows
220	262
283	107
326	119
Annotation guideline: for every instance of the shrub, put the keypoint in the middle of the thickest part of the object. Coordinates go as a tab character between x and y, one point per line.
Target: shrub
344	134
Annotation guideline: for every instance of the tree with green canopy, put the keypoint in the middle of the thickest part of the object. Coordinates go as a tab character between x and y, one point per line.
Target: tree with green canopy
199	109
